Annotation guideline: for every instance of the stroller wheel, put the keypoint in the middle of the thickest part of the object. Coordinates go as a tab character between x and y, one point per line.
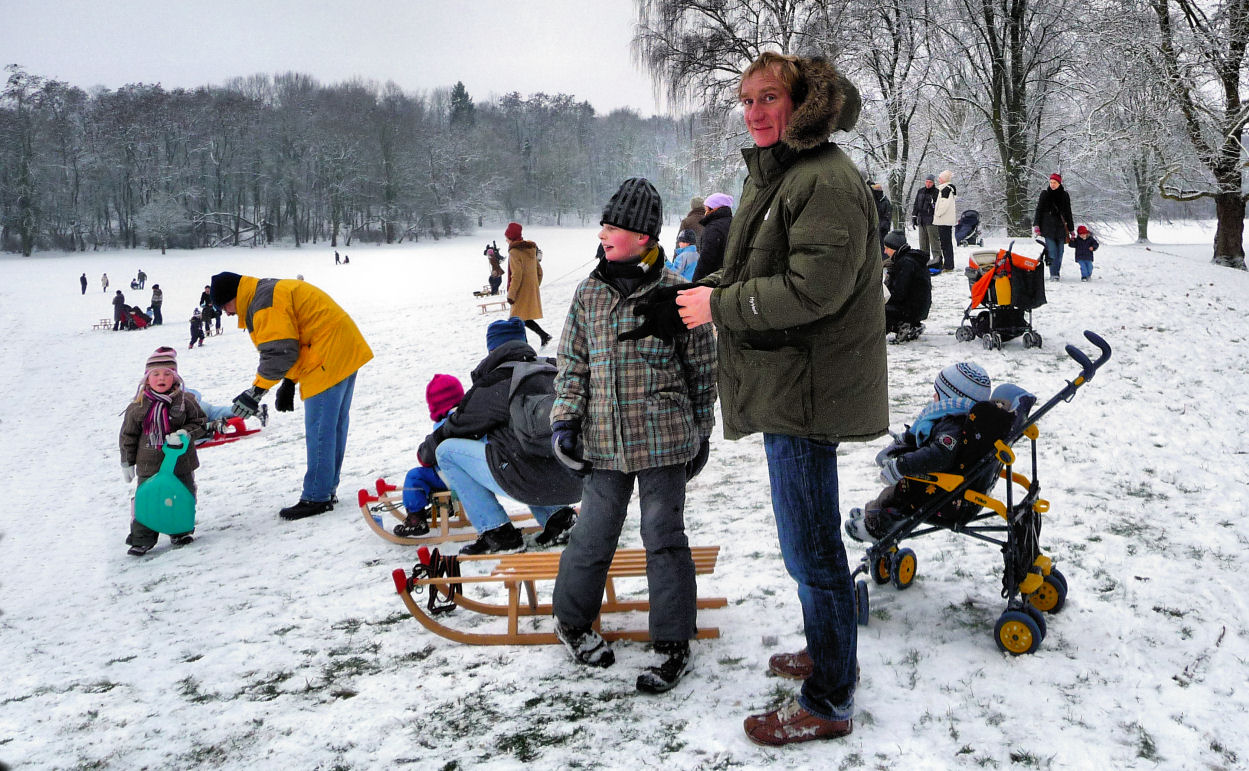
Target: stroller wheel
1052	595
991	341
1038	617
880	570
902	568
861	607
964	334
1031	340
1016	633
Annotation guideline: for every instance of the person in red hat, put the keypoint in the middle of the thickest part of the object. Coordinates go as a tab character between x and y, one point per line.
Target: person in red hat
1053	222
1085	244
524	276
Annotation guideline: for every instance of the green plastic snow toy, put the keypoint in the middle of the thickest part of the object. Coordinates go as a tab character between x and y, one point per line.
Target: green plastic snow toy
162	502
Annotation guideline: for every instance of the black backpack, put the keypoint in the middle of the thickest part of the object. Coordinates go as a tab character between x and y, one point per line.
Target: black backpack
530	412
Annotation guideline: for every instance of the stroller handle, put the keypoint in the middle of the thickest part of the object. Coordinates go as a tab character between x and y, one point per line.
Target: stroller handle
1087	366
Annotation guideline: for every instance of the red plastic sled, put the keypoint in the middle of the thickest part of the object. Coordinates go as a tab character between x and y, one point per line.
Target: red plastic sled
236	430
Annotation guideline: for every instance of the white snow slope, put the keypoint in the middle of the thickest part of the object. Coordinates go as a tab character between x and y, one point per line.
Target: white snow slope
270	644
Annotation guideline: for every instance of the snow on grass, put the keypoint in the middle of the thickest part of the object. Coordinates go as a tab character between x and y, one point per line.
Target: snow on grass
268	643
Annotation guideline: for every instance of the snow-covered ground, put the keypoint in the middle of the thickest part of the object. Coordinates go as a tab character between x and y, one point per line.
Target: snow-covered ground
269	644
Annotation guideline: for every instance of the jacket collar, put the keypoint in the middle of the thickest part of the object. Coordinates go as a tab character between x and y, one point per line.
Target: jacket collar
766	164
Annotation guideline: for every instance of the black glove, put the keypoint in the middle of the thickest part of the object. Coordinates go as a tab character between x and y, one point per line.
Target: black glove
566	443
247	403
695	464
284	399
662	316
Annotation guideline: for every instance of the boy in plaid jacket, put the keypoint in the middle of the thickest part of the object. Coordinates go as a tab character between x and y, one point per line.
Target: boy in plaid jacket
628	408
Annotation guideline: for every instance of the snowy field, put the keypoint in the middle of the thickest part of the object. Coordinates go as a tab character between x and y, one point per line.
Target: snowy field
272	644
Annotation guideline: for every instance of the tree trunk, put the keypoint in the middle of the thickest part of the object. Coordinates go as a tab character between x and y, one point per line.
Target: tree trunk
1229	250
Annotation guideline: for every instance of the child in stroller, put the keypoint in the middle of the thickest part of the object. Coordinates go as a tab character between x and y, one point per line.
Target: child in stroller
1010	287
959	501
927	445
967	231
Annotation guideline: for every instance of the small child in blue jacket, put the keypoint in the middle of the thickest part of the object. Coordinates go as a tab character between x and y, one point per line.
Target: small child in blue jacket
1085	244
442	395
928	445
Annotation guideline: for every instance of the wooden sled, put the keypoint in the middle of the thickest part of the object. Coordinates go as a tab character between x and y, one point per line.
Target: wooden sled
447	522
493	305
519	572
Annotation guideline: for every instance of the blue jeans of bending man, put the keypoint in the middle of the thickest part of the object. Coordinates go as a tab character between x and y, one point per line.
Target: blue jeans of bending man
670	578
462	463
803	476
326	417
1054	248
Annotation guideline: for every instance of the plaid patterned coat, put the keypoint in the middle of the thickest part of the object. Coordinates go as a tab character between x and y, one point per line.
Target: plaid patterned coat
642	403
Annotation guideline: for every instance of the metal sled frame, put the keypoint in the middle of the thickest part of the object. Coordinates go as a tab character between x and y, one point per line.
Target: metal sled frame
517	572
448	523
1029	581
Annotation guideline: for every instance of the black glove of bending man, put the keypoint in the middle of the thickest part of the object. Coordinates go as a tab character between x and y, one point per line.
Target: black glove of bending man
284	399
661	315
566	443
247	404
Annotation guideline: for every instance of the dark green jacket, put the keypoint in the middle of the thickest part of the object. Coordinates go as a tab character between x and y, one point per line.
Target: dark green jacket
799	305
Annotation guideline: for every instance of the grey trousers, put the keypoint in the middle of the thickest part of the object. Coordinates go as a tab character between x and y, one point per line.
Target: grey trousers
929	239
669	567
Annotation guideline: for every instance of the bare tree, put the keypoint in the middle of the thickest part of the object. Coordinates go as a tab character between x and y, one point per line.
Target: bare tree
1203	55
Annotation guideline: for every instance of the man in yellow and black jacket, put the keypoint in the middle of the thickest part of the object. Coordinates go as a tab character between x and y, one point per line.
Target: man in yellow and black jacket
303	337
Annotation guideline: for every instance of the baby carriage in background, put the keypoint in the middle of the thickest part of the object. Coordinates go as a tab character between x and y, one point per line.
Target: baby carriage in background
967	231
959	502
1009	286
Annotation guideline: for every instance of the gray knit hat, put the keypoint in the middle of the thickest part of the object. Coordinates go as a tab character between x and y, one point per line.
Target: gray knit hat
965	379
895	239
636	206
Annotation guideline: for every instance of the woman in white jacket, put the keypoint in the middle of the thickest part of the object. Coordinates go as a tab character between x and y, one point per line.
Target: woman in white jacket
945	215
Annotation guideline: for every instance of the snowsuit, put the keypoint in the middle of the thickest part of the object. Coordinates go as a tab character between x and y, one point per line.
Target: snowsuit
1085	246
197	331
712	242
645	409
910	288
138	450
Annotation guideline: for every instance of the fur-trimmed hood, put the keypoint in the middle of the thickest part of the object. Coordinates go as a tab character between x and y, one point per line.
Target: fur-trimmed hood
826	101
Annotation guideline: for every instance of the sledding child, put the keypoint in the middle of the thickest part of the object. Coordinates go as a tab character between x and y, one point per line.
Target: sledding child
160	413
686	258
197	329
928	445
1085	244
442	396
629	409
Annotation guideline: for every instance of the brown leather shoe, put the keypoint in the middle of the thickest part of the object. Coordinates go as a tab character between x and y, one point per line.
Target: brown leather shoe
792	724
795	666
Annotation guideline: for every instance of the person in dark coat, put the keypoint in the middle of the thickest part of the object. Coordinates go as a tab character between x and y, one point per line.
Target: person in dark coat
477	472
921	215
1053	221
158	299
715	234
884	211
694	220
909	285
83	280
120	311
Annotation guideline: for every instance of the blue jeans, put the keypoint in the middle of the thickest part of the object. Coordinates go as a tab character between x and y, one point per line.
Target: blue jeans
417	487
326	417
1055	251
803	475
212	411
462	463
1086	268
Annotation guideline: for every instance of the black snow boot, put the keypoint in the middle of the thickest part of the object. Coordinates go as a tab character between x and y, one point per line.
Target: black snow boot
305	509
501	540
585	645
557	528
416	523
665	676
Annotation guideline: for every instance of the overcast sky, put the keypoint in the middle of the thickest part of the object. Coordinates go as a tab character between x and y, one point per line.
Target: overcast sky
578	47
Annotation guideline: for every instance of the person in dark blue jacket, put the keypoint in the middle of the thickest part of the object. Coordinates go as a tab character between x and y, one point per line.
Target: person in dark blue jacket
1085	245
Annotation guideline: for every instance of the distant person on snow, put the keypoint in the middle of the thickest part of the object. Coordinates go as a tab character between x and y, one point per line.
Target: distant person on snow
197	328
120	311
104	282
141	278
496	267
303	337
158	299
1085	245
160	413
442	396
524	277
83	280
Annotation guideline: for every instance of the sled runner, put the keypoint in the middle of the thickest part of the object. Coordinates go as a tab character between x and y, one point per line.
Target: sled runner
162	502
961	503
440	576
447	521
236	429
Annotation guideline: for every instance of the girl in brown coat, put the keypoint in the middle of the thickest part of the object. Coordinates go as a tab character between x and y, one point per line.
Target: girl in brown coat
524	276
161	408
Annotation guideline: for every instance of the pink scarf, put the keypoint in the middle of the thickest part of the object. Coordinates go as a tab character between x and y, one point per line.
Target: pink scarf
156	421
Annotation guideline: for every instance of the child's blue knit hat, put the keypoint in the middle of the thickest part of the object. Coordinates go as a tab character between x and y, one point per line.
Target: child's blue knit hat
966	379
